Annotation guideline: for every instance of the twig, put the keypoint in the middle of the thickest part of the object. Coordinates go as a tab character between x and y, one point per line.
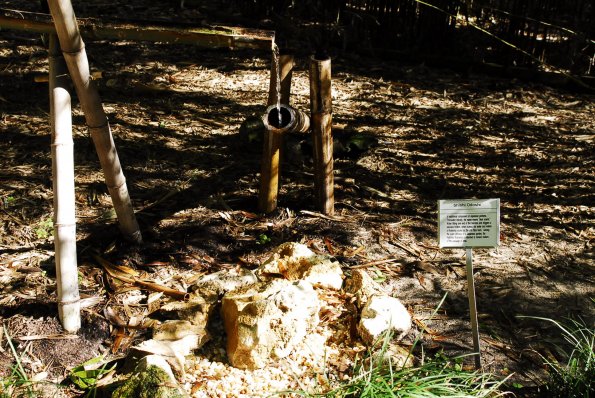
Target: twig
405	248
320	215
13	217
375	262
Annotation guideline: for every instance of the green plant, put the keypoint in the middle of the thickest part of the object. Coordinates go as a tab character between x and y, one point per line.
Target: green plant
376	376
7	201
17	380
437	377
263	239
574	375
87	375
44	228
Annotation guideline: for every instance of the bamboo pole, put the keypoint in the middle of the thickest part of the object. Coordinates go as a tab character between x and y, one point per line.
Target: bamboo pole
273	139
322	138
214	37
73	49
63	186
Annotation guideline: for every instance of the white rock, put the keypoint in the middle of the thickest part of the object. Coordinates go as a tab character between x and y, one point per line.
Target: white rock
380	314
218	283
294	261
266	320
362	286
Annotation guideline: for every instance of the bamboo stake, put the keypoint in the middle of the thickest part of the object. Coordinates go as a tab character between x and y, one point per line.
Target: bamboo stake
63	185
321	121
273	141
73	49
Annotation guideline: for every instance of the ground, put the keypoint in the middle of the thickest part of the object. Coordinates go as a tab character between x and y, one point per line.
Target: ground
175	113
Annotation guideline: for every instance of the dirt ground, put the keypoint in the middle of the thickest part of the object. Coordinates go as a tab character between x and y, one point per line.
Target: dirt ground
175	113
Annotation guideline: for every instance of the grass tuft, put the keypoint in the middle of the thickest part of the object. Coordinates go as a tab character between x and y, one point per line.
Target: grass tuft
574	375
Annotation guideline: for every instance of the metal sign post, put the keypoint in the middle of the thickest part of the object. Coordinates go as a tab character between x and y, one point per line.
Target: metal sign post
473	307
466	224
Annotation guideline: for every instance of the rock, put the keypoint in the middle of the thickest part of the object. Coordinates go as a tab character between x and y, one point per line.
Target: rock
380	314
178	329
149	382
174	351
294	261
155	360
362	286
218	283
266	320
195	310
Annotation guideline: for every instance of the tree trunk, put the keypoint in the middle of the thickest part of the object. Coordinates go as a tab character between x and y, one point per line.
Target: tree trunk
74	53
64	199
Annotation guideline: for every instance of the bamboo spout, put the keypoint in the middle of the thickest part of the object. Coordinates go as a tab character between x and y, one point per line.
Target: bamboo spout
291	120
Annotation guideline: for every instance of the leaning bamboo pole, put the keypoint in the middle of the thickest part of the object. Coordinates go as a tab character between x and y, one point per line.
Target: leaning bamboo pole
279	89
322	138
73	49
63	186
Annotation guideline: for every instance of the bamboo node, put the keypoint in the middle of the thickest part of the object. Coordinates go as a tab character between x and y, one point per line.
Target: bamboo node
74	52
99	127
64	224
117	187
68	302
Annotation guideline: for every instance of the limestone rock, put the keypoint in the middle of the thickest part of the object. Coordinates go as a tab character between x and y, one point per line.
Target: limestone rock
362	286
174	351
380	314
215	285
178	329
294	261
195	310
266	320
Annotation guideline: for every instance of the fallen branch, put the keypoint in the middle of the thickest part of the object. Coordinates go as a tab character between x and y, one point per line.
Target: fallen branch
117	273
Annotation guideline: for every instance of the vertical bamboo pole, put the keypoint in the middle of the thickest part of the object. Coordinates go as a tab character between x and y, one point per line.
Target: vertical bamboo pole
271	153
321	121
73	49
63	185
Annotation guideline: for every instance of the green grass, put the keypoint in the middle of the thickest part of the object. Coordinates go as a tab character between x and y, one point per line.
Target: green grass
17	381
438	377
376	376
573	376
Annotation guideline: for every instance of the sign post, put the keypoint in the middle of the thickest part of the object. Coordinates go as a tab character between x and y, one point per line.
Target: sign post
469	223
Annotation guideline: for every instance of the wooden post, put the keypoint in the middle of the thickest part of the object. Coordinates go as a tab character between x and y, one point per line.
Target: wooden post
271	152
63	186
74	53
322	138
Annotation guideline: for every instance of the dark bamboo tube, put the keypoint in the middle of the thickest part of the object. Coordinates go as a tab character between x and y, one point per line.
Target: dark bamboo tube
73	49
322	138
273	139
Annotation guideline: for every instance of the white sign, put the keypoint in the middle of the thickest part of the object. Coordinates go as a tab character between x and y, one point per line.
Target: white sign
469	223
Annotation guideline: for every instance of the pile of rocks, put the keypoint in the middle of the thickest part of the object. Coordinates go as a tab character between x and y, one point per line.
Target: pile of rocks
270	311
